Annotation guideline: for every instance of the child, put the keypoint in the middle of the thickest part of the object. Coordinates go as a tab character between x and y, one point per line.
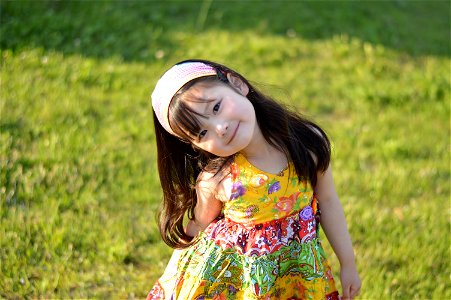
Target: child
250	176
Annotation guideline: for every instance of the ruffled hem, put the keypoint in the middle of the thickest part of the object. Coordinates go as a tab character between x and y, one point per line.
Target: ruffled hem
157	293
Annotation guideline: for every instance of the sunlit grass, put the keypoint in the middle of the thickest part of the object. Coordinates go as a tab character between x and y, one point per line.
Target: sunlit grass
79	187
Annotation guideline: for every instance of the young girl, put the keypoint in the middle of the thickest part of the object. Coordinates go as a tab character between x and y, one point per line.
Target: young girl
250	177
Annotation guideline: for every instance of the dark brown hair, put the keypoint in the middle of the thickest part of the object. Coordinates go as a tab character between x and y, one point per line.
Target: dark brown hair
179	163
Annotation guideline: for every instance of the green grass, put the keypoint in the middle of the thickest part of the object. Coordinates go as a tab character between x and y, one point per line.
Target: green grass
79	186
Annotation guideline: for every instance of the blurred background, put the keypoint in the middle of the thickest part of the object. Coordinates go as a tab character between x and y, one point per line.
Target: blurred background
79	187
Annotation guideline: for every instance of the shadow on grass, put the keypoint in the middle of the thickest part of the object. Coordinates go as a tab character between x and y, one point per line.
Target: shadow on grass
137	30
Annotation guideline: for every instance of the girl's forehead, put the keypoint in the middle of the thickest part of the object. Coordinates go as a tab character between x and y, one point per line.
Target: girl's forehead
206	90
202	90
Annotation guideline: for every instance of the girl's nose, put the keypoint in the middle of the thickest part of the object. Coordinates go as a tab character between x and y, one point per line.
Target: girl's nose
221	128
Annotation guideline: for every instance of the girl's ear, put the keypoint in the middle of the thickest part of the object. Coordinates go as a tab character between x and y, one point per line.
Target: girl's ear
238	84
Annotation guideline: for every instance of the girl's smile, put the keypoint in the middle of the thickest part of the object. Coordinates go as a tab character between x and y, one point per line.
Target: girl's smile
234	133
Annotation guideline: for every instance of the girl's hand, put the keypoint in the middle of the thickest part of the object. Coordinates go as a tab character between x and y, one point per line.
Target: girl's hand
350	283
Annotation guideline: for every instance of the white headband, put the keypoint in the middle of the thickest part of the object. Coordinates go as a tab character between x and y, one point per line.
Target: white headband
169	84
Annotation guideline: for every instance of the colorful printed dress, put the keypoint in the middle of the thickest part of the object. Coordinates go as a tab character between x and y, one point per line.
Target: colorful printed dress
265	246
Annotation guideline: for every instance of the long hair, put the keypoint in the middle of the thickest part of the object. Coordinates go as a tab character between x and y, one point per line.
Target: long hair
179	163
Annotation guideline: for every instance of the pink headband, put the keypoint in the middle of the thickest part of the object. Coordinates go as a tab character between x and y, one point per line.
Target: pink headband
169	84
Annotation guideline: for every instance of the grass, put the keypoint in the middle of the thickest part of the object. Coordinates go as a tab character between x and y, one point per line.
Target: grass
79	186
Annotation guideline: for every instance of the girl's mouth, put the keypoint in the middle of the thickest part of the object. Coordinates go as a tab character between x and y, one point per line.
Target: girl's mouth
234	133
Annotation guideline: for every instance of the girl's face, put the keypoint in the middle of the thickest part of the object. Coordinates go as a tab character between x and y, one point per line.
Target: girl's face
227	119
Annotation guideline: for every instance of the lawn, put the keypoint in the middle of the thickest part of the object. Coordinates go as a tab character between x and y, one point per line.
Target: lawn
78	181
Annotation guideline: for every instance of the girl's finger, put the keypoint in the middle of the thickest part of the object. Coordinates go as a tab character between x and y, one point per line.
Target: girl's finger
346	292
354	292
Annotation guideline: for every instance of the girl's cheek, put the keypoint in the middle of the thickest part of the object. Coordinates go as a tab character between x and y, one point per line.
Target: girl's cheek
207	146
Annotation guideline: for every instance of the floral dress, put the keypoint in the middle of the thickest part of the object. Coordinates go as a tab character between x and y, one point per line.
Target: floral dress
264	246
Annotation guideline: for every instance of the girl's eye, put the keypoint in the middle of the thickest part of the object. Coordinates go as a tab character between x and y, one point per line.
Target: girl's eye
216	107
202	134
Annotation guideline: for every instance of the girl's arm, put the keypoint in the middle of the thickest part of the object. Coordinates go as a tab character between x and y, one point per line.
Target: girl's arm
334	224
208	207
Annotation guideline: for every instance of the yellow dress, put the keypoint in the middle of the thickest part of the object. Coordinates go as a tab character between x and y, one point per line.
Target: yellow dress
264	246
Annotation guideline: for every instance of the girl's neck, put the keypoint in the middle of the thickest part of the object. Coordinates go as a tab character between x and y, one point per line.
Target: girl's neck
258	147
262	154
261	151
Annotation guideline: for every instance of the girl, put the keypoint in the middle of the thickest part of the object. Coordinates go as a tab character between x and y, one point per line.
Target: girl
250	176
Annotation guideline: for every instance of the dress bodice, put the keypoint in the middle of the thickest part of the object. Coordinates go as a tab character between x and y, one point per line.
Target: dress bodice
258	196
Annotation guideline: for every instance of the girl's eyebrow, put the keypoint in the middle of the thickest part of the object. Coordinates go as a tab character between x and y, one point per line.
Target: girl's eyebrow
207	106
208	100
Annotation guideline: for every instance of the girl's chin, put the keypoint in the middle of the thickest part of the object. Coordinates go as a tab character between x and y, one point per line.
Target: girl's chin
227	153
224	154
